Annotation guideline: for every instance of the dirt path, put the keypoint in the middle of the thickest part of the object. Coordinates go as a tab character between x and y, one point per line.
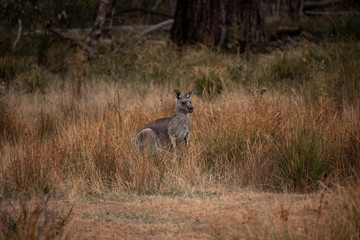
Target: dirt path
201	217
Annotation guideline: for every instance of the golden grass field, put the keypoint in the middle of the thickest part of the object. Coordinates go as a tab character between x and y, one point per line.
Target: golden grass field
279	165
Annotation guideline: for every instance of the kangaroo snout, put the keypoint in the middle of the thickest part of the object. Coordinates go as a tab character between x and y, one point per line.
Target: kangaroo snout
191	109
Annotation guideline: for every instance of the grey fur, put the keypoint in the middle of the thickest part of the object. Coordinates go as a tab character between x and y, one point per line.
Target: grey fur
164	132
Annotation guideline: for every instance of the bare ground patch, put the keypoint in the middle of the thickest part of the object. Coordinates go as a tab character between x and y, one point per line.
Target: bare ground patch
201	217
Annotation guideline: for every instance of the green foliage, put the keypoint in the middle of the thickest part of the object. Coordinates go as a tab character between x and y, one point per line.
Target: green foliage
283	68
338	62
303	156
226	147
33	80
209	82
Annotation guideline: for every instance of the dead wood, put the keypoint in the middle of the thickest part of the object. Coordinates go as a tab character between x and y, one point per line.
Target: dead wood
135	39
281	31
320	4
90	44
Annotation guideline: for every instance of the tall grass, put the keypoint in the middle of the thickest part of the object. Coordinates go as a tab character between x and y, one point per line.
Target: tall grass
299	133
86	148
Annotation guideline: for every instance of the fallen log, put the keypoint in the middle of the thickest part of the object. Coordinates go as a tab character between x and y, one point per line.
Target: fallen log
78	32
135	39
320	4
280	31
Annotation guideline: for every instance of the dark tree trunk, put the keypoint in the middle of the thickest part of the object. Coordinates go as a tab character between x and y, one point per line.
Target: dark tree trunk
229	24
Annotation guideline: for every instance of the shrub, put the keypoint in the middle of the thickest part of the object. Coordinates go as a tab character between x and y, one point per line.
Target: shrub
284	67
303	157
209	82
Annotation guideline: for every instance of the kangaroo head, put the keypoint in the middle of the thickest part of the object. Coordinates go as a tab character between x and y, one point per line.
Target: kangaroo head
183	103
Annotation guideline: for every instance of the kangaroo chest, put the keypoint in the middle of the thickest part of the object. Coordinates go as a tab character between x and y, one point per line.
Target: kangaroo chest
179	127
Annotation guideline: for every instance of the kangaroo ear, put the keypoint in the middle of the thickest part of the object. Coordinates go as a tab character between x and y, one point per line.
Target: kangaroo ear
189	94
177	94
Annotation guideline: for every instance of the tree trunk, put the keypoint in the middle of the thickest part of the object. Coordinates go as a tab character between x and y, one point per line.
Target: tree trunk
229	24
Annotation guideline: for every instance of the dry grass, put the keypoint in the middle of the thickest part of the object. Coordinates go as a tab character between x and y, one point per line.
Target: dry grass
84	147
330	215
74	139
240	214
67	127
33	219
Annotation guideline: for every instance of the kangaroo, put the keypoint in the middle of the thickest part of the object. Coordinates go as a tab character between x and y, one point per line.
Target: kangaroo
164	132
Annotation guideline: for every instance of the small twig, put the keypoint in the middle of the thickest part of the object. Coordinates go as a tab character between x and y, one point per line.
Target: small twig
18	35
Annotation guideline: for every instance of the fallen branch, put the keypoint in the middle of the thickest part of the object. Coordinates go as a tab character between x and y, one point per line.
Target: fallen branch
78	32
66	36
320	4
154	28
135	39
280	31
